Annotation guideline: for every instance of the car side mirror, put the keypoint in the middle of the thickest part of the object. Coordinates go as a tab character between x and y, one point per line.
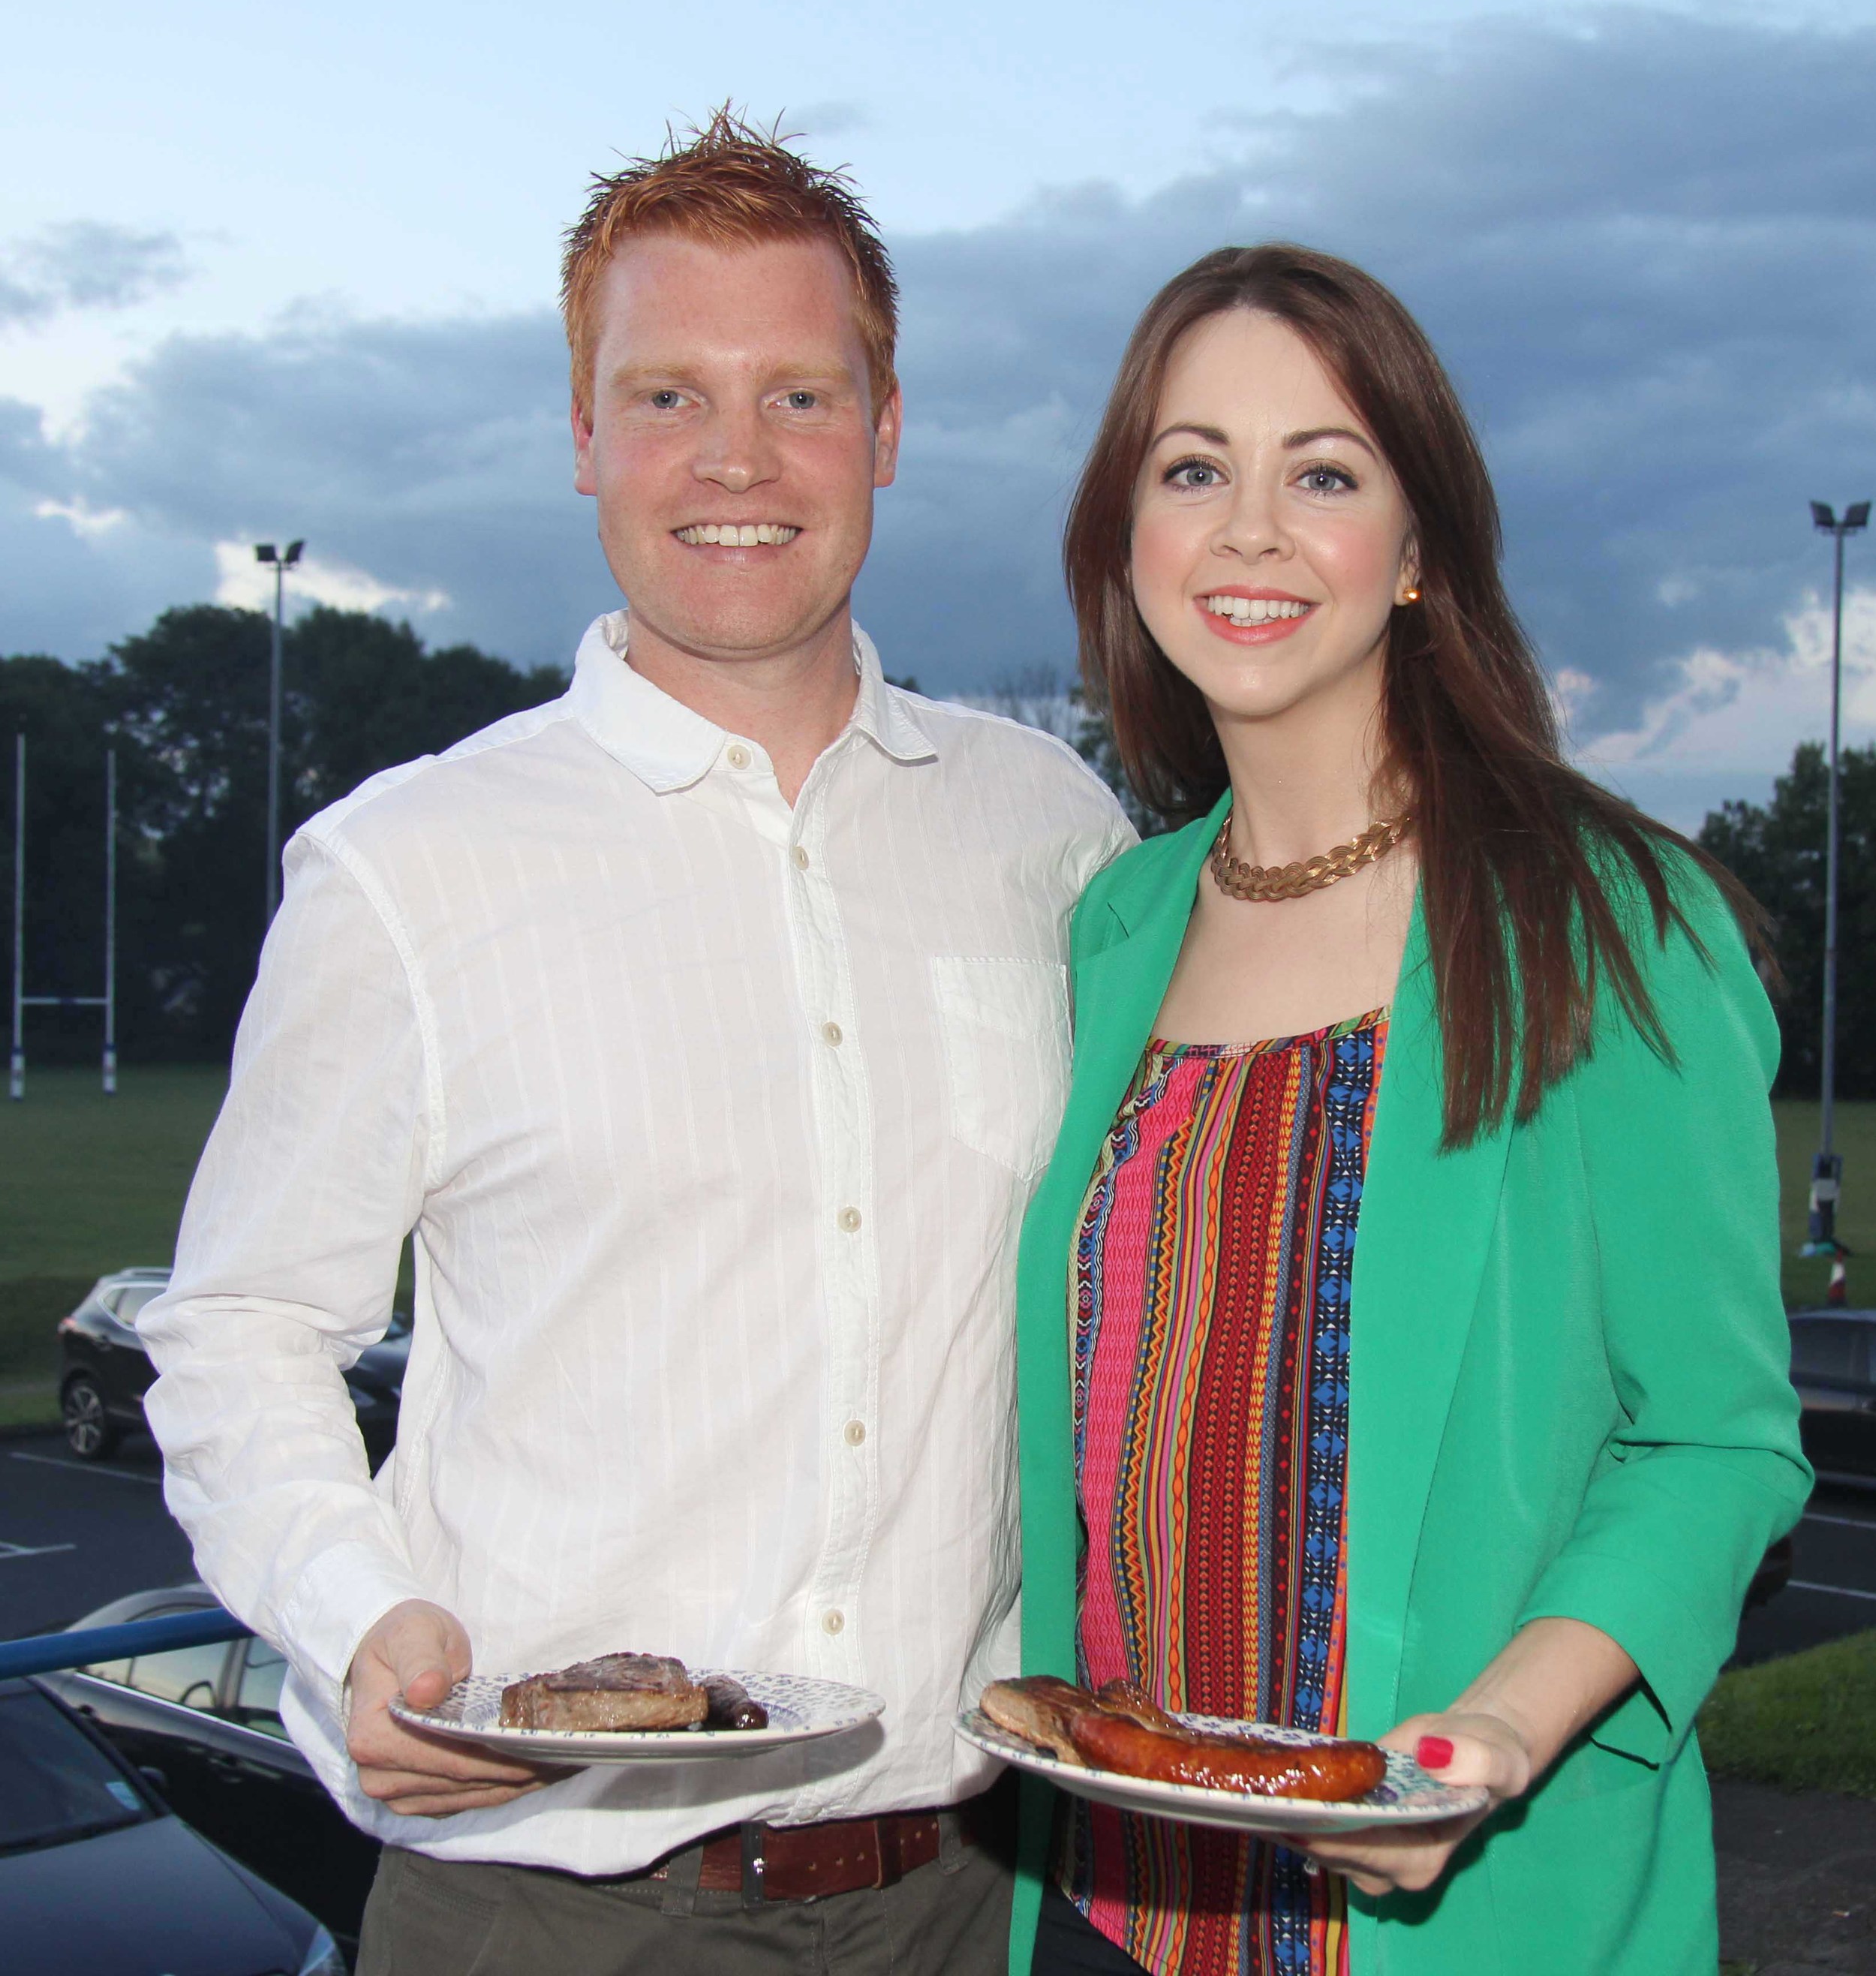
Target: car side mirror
157	1780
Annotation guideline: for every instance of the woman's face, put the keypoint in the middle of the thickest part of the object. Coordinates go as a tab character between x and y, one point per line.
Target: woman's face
1270	537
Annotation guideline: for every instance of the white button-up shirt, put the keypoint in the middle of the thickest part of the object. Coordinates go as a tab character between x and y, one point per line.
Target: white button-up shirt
715	1120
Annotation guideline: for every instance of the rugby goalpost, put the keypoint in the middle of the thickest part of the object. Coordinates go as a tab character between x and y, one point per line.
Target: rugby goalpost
21	1000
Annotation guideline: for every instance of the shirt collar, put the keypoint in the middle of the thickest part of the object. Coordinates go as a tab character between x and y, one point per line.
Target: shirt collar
669	747
887	714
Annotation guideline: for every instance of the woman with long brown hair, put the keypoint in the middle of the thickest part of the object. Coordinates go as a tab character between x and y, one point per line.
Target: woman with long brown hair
1402	1349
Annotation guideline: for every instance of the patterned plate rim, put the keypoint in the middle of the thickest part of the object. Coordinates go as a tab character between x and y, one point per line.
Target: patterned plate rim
1429	1799
819	1706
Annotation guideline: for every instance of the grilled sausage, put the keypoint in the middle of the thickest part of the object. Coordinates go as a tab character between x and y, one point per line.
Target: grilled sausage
730	1707
1332	1773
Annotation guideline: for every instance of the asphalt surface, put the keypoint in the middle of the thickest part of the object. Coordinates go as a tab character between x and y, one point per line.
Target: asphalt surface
1796	1879
75	1534
1832	1590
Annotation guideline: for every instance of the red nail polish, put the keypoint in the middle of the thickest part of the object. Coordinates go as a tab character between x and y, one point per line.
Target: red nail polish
1432	1753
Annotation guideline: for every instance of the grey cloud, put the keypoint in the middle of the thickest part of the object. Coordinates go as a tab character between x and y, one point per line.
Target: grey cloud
433	456
1647	247
1647	250
87	264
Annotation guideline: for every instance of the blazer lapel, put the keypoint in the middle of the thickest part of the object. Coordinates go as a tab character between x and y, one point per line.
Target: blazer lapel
1118	990
1421	1244
1119	986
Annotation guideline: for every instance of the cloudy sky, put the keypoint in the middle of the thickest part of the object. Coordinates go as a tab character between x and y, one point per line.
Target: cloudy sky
273	272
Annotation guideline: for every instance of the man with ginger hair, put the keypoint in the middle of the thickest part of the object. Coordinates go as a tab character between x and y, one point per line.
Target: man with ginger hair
707	1027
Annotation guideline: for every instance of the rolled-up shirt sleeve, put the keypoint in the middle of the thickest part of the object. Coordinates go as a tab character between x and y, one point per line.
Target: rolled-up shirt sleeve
285	1268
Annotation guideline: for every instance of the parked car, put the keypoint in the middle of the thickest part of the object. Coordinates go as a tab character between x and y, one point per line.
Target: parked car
208	1718
1834	1368
98	1874
106	1371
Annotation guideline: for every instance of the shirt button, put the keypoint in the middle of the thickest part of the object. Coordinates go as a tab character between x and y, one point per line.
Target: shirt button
831	1035
737	756
832	1622
849	1219
799	854
856	1433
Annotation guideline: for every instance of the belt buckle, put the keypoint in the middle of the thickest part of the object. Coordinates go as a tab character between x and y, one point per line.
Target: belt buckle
754	1894
889	1866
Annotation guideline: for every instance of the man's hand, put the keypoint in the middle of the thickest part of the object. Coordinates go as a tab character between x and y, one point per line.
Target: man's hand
420	1651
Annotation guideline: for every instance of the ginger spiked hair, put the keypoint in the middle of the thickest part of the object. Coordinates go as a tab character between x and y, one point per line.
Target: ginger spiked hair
728	185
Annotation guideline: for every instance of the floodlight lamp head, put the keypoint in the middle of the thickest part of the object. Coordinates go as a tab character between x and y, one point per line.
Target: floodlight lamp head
293	553
264	552
1822	515
1856	515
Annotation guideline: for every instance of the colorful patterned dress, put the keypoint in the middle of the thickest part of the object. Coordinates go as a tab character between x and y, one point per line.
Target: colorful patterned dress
1211	1278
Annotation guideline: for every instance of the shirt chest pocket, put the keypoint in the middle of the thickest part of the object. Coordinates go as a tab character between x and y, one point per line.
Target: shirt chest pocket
1005	1028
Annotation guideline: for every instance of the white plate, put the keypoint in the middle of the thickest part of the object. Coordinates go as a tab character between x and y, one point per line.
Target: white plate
1407	1795
799	1709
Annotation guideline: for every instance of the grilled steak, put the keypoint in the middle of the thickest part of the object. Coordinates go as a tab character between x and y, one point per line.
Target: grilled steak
616	1691
1038	1707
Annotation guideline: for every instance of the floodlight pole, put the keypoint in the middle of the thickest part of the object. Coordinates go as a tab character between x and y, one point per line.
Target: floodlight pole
282	561
111	922
16	1085
1827	1171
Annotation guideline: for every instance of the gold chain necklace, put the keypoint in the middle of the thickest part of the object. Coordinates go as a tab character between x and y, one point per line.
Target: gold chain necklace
1262	882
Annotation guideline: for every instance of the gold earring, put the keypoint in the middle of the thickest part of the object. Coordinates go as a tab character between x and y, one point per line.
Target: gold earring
1412	597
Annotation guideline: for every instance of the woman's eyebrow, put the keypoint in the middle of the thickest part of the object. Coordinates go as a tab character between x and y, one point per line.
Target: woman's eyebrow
1211	434
1316	434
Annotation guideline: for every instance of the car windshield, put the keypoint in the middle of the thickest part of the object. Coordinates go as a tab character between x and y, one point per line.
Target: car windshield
1830	1348
134	1299
56	1785
257	1700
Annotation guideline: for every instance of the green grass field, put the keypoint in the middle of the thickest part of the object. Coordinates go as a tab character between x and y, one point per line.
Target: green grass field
1807	1722
1855	1131
89	1184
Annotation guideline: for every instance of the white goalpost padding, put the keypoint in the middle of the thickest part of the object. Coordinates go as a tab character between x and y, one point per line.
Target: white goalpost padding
21	1000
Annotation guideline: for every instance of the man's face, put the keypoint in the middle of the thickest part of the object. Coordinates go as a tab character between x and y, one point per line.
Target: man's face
730	395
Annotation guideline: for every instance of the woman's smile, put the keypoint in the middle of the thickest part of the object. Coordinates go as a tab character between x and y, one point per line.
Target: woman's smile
1243	617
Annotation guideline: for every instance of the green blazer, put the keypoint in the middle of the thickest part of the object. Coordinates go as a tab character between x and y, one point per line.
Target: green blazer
1568	1395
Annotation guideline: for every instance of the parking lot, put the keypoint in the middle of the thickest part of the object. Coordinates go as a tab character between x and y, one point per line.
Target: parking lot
75	1534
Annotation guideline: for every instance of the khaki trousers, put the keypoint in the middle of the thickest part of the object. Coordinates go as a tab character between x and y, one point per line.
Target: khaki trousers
438	1917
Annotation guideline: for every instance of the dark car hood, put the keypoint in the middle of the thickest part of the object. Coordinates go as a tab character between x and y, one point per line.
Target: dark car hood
383	1364
150	1897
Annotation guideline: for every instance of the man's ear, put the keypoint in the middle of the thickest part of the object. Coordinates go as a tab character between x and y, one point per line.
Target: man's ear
583	479
886	430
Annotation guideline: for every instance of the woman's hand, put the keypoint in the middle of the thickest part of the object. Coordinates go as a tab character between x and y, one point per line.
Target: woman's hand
1553	1679
1477	1749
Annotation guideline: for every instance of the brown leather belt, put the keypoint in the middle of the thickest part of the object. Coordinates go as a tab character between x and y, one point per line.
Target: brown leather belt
838	1856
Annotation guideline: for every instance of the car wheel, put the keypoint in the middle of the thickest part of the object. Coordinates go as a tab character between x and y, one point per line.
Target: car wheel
90	1433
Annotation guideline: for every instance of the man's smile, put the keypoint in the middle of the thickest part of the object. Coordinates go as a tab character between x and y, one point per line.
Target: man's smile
736	535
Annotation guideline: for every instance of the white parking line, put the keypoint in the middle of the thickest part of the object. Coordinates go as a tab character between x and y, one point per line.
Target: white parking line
8	1550
1841	1591
90	1468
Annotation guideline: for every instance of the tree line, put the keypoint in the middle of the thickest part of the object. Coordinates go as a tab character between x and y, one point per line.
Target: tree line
1776	849
184	704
